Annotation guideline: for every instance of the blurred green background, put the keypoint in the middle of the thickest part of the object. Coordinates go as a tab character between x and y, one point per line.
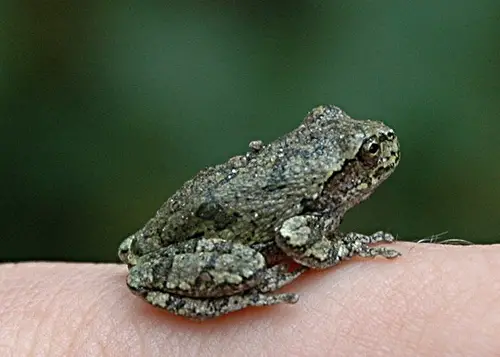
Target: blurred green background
107	108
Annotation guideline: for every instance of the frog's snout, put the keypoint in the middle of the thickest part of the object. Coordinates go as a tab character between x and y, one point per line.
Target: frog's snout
390	149
124	250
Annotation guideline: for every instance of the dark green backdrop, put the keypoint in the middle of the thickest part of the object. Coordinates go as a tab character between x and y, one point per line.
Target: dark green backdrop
106	109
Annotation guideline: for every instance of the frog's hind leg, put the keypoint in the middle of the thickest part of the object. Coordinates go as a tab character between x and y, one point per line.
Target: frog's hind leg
202	309
205	278
303	239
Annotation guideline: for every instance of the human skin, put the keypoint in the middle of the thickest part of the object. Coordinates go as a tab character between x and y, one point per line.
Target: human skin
435	300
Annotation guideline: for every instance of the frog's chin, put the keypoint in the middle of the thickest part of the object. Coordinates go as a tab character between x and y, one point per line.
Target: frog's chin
379	176
367	192
362	196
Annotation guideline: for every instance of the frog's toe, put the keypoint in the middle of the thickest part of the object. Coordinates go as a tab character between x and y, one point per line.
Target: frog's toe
381	237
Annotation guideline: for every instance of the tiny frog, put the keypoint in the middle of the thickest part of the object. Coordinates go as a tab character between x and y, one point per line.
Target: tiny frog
225	239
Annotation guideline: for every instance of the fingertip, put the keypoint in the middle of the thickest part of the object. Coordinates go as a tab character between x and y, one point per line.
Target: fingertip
422	302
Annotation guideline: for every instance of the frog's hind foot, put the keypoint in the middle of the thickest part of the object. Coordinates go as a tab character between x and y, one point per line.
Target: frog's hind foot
202	309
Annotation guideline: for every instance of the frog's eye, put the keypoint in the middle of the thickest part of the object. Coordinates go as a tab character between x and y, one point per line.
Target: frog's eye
373	148
390	135
370	150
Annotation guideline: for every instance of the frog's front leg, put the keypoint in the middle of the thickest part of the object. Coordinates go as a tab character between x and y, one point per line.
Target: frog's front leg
305	240
203	278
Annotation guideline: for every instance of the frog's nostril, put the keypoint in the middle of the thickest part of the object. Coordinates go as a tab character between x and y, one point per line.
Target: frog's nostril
396	155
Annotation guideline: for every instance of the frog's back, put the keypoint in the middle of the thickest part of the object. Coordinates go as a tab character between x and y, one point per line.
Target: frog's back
246	198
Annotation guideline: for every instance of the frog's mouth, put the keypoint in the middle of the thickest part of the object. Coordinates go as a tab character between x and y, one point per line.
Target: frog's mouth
387	166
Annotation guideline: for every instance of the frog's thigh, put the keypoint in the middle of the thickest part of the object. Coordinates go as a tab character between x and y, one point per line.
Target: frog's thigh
202	309
303	239
202	268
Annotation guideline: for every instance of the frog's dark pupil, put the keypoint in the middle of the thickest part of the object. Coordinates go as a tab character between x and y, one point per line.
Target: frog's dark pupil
373	148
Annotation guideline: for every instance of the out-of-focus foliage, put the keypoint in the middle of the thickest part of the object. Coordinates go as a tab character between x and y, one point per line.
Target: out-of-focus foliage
107	108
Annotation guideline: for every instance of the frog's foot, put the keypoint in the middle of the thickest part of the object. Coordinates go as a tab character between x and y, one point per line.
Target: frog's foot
278	276
303	239
202	309
357	244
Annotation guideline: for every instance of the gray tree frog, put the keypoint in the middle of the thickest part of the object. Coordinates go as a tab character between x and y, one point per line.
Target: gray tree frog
225	239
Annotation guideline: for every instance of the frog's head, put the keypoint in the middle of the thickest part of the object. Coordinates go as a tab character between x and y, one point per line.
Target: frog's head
368	154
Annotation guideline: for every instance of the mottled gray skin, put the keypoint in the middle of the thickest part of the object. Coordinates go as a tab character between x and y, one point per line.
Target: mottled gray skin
221	242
